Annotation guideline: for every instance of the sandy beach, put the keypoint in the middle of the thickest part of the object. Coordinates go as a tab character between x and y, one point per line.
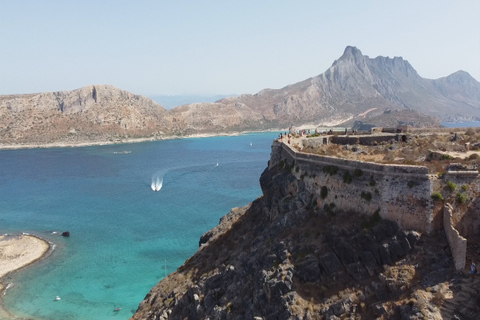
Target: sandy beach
17	252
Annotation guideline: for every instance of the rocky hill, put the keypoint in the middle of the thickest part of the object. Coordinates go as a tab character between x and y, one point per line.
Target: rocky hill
356	83
354	88
93	113
283	257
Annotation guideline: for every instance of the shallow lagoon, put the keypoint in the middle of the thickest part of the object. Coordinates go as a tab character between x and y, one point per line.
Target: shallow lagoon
124	236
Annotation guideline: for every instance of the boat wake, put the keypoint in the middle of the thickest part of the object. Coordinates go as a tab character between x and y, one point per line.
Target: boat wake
157	183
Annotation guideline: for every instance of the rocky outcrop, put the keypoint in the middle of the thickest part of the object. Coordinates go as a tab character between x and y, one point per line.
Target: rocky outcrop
282	257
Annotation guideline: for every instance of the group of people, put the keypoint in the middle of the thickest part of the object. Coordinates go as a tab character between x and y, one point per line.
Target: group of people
282	135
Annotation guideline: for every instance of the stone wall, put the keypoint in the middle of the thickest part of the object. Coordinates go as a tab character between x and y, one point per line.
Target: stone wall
458	244
367	139
400	193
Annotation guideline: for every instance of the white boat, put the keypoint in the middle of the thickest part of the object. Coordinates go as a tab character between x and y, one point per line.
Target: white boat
57	298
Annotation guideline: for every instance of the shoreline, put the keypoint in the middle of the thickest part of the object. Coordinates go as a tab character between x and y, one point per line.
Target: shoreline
124	141
16	253
64	144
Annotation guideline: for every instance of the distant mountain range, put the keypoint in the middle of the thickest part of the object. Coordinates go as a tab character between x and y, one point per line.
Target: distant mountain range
172	101
379	91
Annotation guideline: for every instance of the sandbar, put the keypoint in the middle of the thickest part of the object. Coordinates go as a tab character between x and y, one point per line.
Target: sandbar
19	251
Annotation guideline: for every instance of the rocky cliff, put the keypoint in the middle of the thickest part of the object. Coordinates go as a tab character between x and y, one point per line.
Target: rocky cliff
377	92
99	112
284	257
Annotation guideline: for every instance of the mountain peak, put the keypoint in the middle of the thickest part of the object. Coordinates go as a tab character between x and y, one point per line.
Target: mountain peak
351	53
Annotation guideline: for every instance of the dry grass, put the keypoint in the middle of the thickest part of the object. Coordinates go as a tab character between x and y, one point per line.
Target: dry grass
414	151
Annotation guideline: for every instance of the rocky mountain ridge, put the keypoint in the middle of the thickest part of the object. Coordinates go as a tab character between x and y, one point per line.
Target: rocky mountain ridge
356	83
355	87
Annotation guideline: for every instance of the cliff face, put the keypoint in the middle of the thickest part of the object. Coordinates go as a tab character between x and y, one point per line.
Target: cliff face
286	257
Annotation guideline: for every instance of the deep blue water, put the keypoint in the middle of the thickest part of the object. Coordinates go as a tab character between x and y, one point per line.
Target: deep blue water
122	233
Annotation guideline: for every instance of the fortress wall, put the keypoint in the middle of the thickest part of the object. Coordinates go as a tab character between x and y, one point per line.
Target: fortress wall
458	244
400	193
467	219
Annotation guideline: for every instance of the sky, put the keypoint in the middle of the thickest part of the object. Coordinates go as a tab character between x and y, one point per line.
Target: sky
223	47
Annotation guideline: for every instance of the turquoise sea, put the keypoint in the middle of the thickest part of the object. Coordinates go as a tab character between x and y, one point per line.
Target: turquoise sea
124	236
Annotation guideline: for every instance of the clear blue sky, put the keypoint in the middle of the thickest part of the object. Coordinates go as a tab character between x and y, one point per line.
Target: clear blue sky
207	47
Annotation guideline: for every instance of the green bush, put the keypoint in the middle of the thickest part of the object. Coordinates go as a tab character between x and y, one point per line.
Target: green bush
329	208
371	221
358	172
437	196
461	197
451	186
347	178
323	192
331	170
465	187
372	183
285	166
411	184
366	196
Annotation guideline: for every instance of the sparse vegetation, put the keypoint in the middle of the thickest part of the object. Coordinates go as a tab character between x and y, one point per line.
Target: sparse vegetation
461	197
331	170
347	177
372	183
368	222
414	151
437	196
358	173
329	208
451	186
366	196
323	192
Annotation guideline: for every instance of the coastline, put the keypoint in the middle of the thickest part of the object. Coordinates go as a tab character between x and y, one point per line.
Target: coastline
17	252
64	144
68	144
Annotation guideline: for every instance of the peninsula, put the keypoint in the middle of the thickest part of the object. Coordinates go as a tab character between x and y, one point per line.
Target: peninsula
16	252
358	225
